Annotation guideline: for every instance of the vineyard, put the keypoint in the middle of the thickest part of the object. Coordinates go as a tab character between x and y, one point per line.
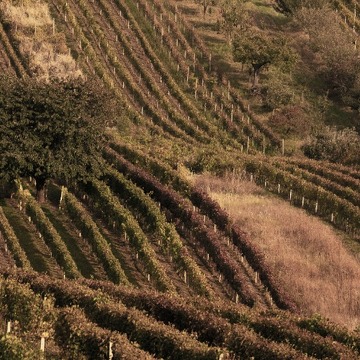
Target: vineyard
140	263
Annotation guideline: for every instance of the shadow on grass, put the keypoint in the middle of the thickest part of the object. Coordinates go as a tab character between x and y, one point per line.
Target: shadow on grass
26	238
72	245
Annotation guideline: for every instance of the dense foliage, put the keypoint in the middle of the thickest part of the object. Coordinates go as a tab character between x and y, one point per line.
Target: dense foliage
50	130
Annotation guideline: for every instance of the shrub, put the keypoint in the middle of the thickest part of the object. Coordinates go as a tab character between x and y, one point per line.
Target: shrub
12	348
334	145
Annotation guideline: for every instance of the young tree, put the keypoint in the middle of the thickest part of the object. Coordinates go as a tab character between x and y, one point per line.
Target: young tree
258	50
51	130
234	17
205	4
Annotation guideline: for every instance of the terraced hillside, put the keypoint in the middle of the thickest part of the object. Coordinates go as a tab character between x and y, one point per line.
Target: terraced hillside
140	258
92	317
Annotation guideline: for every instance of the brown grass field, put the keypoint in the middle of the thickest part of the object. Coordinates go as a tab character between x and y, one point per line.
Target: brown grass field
313	263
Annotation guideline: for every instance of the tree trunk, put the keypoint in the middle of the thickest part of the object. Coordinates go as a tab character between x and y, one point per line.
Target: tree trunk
205	6
40	189
256	72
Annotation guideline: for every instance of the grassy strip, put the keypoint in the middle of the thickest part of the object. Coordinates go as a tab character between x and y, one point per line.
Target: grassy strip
113	211
50	235
171	241
13	242
91	232
19	68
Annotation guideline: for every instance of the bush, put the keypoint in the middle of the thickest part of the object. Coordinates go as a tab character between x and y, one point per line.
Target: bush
290	121
12	348
278	90
19	303
340	146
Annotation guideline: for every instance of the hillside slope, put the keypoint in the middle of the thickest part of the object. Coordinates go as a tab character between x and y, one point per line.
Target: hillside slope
143	226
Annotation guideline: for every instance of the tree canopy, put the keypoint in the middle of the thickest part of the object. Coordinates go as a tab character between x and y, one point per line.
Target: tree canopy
234	17
336	50
258	50
51	130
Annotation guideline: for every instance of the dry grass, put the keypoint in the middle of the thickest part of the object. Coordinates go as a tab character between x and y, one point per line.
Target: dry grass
29	15
306	255
45	51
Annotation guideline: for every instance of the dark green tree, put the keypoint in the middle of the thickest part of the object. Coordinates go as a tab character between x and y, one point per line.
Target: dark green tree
259	50
51	130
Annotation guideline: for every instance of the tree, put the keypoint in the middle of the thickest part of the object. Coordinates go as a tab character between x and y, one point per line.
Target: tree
234	16
205	4
259	50
337	57
51	130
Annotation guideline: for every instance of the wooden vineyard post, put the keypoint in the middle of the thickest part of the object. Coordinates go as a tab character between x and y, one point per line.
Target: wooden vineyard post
62	194
283	147
42	344
111	355
8	327
185	277
264	144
